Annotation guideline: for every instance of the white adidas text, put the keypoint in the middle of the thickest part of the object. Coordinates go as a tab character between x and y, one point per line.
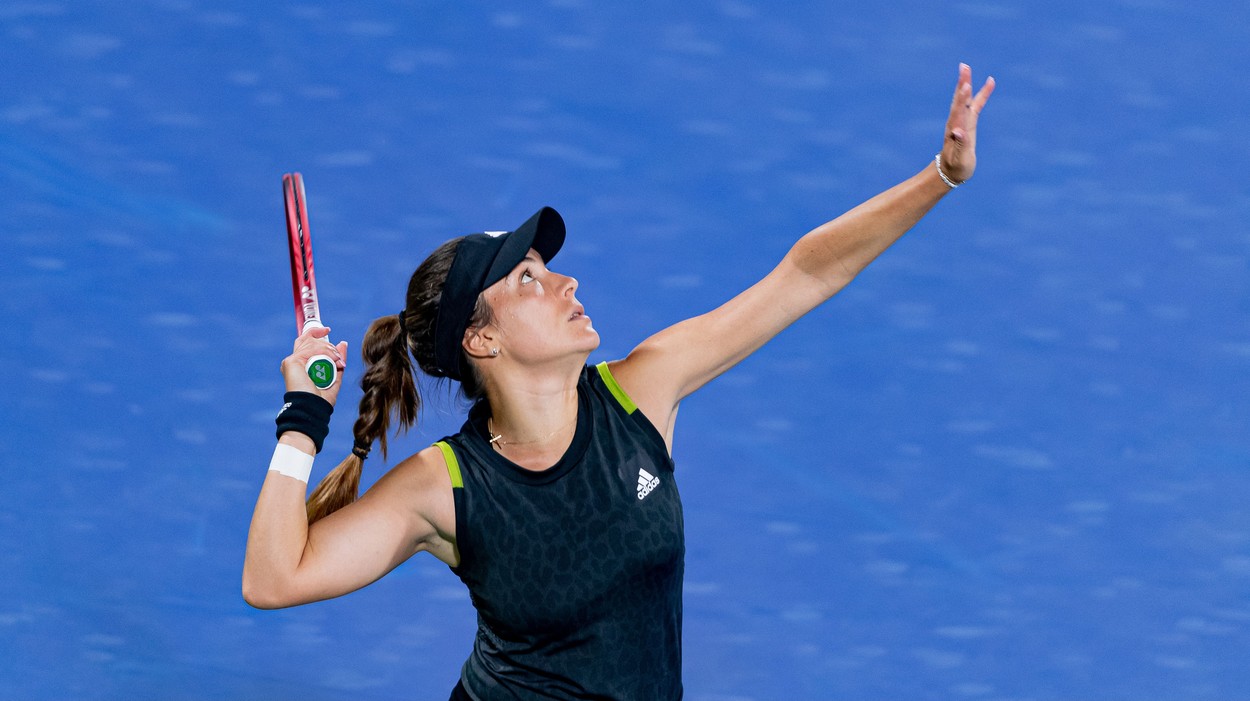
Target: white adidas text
646	483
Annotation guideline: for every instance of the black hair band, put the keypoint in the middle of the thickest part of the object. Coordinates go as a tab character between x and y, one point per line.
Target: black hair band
361	449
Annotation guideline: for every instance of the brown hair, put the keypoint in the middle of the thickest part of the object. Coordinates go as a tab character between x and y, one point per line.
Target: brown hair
388	383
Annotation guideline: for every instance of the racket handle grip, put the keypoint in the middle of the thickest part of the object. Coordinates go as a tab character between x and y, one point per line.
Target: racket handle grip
322	371
320	368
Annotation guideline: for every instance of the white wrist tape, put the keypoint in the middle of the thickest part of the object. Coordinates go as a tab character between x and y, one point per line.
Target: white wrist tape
292	462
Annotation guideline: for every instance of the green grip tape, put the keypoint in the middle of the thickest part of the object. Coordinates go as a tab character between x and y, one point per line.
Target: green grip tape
321	371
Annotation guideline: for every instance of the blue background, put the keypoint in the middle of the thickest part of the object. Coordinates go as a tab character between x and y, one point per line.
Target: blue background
1008	462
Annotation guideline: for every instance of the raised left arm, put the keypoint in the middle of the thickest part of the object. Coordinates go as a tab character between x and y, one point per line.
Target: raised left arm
675	362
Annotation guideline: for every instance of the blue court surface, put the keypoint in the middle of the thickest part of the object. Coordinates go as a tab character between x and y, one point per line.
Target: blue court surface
1010	461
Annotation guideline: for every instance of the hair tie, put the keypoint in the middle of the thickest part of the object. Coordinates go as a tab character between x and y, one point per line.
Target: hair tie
403	327
361	449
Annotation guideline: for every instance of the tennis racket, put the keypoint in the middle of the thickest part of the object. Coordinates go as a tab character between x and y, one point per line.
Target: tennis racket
321	368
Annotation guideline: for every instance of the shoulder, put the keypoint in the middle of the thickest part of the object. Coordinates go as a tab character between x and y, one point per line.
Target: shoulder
637	383
421	486
428	469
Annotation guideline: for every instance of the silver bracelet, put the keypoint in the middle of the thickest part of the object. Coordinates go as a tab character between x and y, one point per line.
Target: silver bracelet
937	163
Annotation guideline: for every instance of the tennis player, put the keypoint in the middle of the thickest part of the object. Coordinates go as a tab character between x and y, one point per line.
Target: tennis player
556	503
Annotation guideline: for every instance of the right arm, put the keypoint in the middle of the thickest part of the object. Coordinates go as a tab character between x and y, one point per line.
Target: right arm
408	510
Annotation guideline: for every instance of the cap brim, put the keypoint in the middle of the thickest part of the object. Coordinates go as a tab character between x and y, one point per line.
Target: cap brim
543	232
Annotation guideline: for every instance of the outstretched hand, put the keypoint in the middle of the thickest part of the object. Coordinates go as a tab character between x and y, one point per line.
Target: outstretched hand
959	148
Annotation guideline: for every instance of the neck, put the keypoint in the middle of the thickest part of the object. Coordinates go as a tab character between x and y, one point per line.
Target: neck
535	417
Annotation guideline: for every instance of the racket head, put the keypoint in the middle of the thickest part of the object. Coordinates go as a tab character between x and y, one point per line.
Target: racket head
320	368
299	243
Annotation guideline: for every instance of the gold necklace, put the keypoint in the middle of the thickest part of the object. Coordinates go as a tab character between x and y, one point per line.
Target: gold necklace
496	439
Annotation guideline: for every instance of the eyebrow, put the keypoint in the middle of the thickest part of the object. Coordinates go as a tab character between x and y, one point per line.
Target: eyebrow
529	257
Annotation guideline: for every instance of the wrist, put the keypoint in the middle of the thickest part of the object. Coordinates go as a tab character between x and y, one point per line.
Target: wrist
298	440
306	414
950	182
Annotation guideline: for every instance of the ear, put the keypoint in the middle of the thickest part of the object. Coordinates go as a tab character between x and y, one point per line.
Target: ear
478	341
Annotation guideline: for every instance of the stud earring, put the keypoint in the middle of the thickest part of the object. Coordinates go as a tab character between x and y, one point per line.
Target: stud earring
494	351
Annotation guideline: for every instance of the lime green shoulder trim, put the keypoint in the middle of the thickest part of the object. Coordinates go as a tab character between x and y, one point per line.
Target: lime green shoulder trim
615	389
453	465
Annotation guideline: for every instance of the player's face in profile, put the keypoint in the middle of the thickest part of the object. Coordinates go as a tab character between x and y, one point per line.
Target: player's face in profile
537	314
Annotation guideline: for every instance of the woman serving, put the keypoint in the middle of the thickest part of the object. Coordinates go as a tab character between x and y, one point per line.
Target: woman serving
556	502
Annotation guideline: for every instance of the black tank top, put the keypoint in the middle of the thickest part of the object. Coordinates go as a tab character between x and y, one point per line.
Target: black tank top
575	571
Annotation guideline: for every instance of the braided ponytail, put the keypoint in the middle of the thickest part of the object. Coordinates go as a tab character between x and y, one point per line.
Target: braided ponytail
388	389
389	347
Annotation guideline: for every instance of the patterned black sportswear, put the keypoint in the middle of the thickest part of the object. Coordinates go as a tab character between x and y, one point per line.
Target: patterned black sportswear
576	570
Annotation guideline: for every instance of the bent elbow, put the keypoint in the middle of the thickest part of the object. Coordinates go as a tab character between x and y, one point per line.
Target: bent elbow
261	596
256	597
257	600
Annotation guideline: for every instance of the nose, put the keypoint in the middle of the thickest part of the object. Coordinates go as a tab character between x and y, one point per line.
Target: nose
570	285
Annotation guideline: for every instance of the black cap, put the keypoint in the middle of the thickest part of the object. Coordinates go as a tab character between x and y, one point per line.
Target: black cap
481	261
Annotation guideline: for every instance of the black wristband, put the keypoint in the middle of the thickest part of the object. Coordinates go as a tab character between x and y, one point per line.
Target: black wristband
306	413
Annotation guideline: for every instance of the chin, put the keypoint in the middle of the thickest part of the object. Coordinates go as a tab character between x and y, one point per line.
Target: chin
591	343
594	343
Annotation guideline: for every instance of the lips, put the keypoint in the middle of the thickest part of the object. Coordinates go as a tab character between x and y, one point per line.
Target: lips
578	313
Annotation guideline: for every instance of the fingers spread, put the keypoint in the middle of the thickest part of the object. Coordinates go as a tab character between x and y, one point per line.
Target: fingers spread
962	101
983	95
965	79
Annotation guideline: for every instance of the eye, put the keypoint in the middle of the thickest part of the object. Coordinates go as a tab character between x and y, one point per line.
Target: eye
526	278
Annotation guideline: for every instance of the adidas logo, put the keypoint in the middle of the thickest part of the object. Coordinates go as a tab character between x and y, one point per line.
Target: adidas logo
646	483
